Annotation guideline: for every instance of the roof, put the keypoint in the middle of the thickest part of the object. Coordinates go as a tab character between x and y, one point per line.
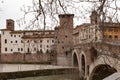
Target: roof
77	28
38	36
5	30
22	31
66	15
82	25
109	24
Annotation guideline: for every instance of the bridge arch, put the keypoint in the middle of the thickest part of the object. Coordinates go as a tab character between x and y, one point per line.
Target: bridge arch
83	63
75	59
101	71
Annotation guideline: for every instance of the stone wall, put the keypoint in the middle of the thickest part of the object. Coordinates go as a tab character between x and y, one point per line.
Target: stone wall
25	58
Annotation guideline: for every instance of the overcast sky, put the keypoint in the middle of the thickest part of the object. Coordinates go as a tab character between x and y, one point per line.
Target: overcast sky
10	9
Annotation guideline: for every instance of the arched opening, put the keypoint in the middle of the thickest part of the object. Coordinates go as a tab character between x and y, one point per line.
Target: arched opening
83	65
75	60
102	71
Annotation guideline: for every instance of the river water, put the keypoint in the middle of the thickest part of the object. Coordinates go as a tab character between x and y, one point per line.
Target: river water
52	77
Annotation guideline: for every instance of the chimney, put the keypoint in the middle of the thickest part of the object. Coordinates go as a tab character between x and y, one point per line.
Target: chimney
10	24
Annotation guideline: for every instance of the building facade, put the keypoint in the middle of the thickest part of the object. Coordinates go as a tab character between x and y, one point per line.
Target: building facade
33	41
64	39
61	41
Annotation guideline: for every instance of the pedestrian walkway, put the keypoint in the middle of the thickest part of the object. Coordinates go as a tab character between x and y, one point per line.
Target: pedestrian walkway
27	67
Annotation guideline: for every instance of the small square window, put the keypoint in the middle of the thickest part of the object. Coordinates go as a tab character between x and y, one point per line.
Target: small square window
115	30
41	41
14	35
3	33
5	40
47	46
34	49
16	41
18	49
21	49
66	36
21	41
5	49
11	41
47	41
110	29
110	36
52	41
116	37
40	46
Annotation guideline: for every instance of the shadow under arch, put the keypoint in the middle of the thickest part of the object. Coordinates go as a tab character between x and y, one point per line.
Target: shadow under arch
75	60
101	71
83	65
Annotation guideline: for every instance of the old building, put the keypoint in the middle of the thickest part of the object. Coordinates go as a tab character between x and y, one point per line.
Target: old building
111	31
88	32
61	41
33	41
64	39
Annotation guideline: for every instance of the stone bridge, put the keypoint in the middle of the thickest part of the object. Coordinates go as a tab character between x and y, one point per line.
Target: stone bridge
96	60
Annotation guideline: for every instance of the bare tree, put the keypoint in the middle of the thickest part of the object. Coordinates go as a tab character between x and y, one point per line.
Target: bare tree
45	11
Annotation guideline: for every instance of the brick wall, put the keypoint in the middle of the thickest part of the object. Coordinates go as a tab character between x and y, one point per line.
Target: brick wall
24	58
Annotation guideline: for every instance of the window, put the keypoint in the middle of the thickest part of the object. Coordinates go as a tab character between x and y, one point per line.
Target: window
110	29
18	49
11	41
9	23
62	47
3	32
41	41
21	49
21	41
105	36
28	50
58	42
65	36
16	41
47	51
56	37
5	49
19	35
34	49
115	30
52	41
40	46
11	49
110	37
5	40
66	53
14	35
47	41
28	41
47	46
89	36
116	37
